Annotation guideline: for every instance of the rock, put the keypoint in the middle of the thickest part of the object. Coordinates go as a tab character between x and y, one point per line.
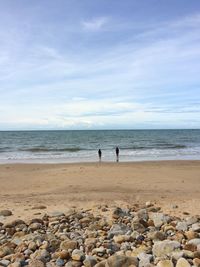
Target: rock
191	234
165	263
188	254
14	223
182	263
121	238
182	226
196	227
144	259
196	262
89	261
165	248
177	255
4	263
137	226
142	214
5	213
195	241
36	263
191	220
78	255
157	235
148	204
56	214
35	226
41	255
99	251
68	244
15	264
118	212
39	207
159	219
190	247
32	246
121	261
137	251
6	249
102	264
118	229
60	262
73	264
63	255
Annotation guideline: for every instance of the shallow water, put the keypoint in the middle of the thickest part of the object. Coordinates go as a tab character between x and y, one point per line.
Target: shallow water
82	146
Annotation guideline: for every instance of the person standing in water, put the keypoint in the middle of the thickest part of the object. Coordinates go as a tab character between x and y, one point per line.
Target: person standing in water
117	153
99	153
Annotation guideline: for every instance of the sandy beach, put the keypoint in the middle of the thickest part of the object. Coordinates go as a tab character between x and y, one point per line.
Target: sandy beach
174	185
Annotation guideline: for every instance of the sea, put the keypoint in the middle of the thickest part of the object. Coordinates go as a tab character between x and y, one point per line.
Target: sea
82	146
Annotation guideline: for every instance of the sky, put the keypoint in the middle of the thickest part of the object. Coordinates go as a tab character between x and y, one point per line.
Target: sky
103	64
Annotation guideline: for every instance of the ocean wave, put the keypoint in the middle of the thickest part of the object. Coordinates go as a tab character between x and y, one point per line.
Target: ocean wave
44	149
160	146
4	149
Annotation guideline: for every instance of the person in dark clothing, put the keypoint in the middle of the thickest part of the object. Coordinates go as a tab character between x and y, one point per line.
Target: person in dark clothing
117	153
99	153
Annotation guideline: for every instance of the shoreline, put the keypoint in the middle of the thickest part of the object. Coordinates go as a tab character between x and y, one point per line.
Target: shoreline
97	162
174	185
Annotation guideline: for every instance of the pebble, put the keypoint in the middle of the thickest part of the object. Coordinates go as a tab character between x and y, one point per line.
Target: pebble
165	263
60	262
78	255
182	226
165	248
5	213
120	237
182	263
4	263
195	241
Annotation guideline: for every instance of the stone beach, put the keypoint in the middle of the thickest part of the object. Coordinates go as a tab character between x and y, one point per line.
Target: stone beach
107	236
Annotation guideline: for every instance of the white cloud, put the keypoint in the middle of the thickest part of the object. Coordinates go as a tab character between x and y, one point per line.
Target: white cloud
54	85
94	24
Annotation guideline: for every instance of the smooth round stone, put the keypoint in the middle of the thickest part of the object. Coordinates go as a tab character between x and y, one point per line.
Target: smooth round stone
165	263
121	261
63	254
196	262
177	255
144	259
68	244
195	241
60	262
182	226
89	261
32	246
5	213
35	226
56	214
15	264
190	247
4	263
191	220
196	227
182	263
36	263
121	238
73	264
157	235
191	234
78	255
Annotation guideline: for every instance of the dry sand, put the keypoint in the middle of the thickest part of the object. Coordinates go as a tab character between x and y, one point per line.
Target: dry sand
63	186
